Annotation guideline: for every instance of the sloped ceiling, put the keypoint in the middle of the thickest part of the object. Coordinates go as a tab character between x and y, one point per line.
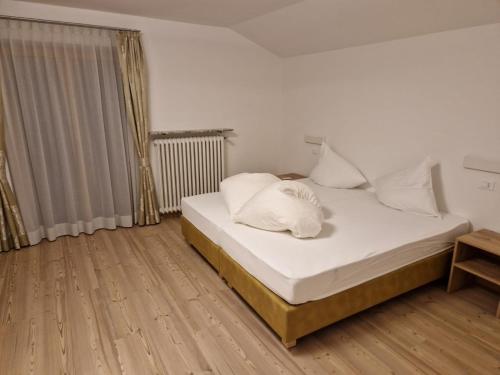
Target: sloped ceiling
296	27
204	12
321	25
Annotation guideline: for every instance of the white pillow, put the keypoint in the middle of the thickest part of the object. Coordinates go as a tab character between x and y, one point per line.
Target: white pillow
238	189
284	205
334	171
409	190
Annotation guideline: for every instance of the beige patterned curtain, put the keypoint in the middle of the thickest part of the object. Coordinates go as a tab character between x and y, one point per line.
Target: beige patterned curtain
134	87
12	232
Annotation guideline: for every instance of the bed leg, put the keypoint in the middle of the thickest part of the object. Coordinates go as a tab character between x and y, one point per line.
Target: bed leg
288	344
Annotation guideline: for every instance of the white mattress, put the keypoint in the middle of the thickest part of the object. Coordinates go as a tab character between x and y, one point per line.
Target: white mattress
361	239
208	213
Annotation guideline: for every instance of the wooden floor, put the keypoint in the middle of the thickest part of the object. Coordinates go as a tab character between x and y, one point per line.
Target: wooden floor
141	301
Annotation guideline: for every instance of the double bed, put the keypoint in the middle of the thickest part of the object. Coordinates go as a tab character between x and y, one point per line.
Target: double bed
365	254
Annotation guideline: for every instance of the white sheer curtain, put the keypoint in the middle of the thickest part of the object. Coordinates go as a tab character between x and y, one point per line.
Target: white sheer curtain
69	149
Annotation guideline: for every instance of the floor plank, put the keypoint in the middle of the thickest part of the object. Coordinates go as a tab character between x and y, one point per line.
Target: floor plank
140	300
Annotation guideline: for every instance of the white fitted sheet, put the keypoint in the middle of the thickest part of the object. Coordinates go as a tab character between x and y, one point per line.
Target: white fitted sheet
208	213
361	239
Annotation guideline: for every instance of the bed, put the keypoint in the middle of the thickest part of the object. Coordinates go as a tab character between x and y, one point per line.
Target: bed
365	254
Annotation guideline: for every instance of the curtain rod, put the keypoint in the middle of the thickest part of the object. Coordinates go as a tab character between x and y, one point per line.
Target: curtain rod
39	20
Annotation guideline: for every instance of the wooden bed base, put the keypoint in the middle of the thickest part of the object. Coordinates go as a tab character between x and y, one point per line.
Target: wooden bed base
291	322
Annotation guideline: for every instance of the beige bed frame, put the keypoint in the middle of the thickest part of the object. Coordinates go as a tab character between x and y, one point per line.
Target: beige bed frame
291	322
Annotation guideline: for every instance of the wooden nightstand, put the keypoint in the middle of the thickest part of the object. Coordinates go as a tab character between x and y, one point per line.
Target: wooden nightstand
476	255
290	176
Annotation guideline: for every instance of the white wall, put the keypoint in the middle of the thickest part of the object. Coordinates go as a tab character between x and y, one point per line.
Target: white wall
386	106
200	77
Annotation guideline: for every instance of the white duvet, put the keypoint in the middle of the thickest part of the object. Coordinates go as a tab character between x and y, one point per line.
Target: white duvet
263	201
282	206
238	189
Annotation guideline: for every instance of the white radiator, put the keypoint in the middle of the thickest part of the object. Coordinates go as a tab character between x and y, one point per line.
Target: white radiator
186	166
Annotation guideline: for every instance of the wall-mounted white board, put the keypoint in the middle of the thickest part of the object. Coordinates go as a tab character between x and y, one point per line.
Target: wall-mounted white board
482	164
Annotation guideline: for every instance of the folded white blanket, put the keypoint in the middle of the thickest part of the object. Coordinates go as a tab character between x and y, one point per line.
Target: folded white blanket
284	205
238	189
